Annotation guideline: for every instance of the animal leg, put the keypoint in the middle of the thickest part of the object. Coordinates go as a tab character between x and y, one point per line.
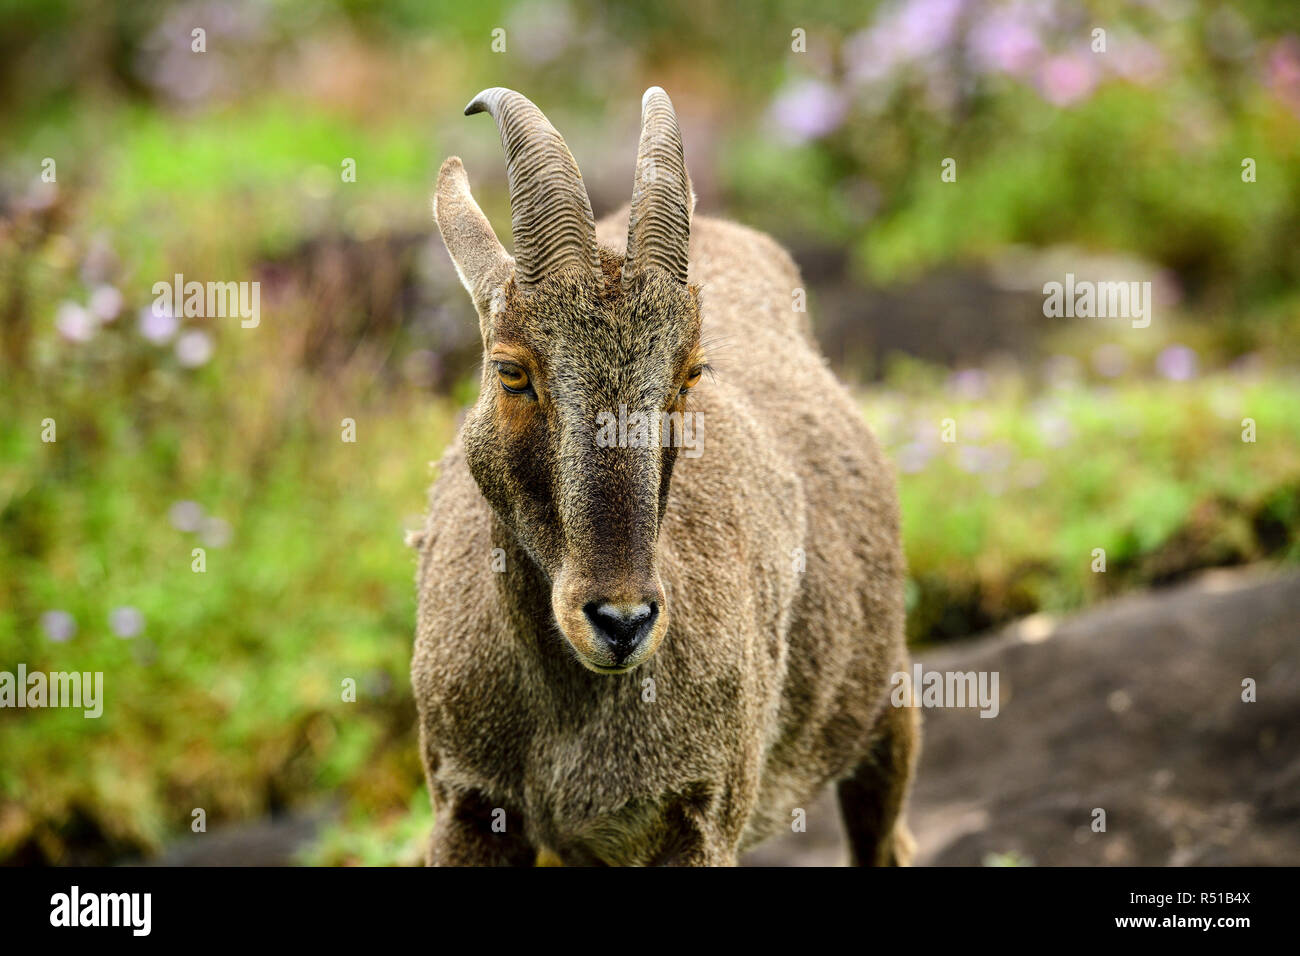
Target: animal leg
873	797
463	835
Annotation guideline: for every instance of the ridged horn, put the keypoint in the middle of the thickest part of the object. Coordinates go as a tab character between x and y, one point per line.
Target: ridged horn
659	227
549	207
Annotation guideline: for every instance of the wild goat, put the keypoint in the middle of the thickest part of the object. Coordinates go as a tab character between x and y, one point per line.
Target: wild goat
616	661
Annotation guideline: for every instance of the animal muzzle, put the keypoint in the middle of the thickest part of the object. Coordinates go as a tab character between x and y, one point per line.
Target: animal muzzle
612	625
621	629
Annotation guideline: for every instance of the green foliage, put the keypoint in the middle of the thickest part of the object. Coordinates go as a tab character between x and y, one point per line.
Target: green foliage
1004	521
399	839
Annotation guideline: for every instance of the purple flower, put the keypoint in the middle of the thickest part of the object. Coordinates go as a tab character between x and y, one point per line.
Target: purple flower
1177	363
100	262
904	32
166	61
186	515
922	27
1004	43
193	349
215	532
378	683
126	622
975	425
106	303
914	456
1067	78
1284	62
870	56
1055	428
971	384
59	626
807	110
1137	60
74	323
158	325
1283	72
973	459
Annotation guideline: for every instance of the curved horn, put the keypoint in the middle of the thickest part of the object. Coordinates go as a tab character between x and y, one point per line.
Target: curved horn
659	227
549	208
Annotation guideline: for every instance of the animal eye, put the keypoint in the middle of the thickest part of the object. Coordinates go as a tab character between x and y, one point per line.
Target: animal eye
693	377
513	378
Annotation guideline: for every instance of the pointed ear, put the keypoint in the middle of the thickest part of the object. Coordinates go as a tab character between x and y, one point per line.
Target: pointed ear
481	261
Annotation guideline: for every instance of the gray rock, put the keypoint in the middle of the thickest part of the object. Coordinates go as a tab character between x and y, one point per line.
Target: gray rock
1134	708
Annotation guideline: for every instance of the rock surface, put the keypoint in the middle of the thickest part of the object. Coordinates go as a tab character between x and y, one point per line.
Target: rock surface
1134	708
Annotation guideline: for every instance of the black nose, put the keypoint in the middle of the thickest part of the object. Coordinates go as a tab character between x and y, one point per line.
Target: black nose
621	627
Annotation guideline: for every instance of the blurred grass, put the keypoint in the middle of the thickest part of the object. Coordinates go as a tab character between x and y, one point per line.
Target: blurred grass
398	838
232	694
1004	521
166	187
1114	172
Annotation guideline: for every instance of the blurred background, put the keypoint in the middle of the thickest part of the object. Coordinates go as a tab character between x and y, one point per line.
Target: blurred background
825	124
